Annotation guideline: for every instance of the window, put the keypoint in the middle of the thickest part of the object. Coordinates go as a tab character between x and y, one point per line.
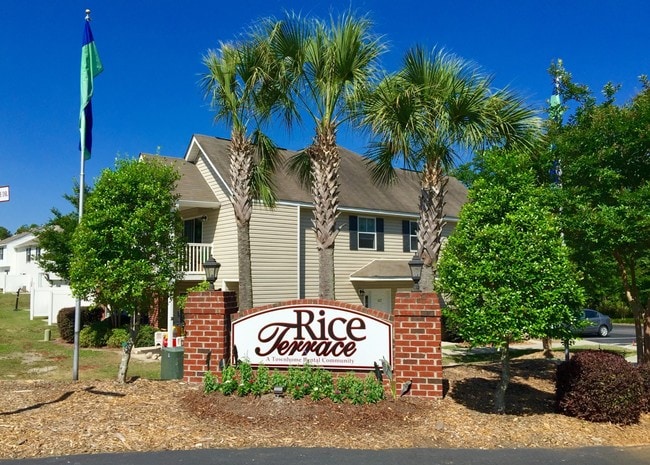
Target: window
413	226
409	236
2	253
193	230
28	254
38	253
366	233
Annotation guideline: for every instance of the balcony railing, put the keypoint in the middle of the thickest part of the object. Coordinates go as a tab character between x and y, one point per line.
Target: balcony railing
194	256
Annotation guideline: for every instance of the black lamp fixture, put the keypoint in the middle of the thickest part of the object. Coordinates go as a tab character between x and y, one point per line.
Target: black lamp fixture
415	266
211	268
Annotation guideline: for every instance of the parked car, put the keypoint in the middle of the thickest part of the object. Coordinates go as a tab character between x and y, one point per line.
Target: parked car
597	324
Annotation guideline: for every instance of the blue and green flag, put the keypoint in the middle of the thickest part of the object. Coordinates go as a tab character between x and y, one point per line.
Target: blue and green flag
91	66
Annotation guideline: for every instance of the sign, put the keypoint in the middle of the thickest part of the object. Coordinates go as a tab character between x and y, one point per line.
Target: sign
4	193
318	335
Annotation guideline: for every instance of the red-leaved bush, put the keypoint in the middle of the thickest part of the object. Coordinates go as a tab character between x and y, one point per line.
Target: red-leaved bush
599	386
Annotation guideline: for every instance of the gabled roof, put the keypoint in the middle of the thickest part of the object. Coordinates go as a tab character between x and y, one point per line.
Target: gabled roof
21	239
193	188
357	190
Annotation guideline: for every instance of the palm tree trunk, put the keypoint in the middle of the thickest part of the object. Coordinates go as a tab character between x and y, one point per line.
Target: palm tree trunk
431	221
500	394
241	168
325	161
245	300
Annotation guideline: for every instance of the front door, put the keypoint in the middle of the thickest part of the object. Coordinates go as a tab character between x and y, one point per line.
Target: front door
379	299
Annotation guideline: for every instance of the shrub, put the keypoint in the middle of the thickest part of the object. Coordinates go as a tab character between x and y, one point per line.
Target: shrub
349	388
229	380
262	383
245	378
94	335
210	382
118	336
644	372
65	322
297	382
599	386
145	336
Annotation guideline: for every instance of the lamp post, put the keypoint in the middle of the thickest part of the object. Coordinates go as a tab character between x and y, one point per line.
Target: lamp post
415	265
211	268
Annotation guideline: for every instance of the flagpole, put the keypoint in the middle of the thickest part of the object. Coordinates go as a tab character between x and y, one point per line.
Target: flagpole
77	305
90	67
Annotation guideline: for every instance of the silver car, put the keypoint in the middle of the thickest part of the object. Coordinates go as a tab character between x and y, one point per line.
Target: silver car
597	324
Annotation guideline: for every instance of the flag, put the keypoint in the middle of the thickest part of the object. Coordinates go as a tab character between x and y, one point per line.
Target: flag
91	66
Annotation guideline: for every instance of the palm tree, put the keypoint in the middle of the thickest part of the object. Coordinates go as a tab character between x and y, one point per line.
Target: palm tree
422	115
242	93
326	65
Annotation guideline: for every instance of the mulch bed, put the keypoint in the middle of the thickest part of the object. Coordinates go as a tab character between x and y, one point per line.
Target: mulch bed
45	418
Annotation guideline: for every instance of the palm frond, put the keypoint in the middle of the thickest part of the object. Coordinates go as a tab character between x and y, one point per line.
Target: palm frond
380	163
262	186
300	165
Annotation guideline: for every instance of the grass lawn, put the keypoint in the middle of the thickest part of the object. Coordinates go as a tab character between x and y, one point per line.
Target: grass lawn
24	354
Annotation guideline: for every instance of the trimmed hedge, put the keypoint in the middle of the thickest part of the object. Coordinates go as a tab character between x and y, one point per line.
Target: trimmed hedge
65	320
599	386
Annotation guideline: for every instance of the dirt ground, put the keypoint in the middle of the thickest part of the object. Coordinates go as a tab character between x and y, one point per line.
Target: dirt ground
39	419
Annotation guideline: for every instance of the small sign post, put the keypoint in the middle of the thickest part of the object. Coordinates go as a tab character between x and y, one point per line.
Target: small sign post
4	193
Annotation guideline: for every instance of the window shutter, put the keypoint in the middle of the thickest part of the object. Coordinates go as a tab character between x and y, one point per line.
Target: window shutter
354	237
379	222
406	236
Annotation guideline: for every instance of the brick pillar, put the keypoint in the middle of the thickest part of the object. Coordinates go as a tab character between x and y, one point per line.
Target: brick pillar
417	343
207	332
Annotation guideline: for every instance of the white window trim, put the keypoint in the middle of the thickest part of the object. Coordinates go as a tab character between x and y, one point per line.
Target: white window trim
413	236
373	233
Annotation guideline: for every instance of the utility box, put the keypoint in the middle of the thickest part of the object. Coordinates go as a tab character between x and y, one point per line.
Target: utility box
171	363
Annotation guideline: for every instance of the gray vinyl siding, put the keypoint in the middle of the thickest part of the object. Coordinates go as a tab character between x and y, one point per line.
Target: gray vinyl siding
348	261
221	228
309	255
274	254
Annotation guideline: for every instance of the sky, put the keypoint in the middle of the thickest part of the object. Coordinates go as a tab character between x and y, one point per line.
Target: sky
148	99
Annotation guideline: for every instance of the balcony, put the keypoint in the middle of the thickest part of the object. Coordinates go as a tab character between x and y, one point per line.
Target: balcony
193	258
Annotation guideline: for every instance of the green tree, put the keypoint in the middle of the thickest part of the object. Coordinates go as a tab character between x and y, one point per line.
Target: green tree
435	105
326	66
241	86
605	196
128	246
4	233
506	270
55	238
26	228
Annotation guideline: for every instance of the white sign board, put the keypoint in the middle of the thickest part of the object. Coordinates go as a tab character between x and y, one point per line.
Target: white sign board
325	336
4	193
